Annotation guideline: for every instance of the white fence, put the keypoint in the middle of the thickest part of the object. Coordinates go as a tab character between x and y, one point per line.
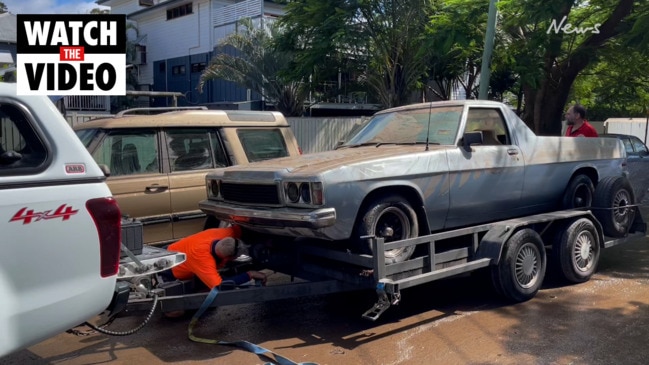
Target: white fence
321	134
312	134
87	102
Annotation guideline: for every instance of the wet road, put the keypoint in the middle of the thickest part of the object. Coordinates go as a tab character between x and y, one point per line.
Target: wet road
457	321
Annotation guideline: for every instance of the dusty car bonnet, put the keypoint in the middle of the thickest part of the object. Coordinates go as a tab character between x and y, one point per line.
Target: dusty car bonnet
324	161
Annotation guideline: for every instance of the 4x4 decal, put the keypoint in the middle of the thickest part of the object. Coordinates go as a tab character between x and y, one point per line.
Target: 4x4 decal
28	215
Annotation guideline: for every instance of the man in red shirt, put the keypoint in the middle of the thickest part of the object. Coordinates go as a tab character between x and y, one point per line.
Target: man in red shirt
578	126
208	251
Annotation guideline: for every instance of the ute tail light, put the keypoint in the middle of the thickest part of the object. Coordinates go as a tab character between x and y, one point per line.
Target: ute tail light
299	149
108	220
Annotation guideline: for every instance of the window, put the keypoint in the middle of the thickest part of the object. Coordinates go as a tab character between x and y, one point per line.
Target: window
198	67
86	136
161	67
129	152
628	146
488	121
20	145
179	11
194	149
639	147
262	144
178	70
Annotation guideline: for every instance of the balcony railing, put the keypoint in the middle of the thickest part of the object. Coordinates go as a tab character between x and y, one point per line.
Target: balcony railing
87	103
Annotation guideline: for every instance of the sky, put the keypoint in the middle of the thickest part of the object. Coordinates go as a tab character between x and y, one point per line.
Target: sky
51	6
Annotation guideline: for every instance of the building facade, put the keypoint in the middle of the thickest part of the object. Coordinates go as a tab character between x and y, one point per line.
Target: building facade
174	40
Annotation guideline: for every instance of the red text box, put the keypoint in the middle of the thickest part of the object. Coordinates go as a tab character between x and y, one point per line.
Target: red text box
71	54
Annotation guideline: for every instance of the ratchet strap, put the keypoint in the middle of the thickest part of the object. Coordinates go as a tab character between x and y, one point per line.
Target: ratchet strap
245	345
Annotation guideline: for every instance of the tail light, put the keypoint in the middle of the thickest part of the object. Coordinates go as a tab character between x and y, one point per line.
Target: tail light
108	220
299	149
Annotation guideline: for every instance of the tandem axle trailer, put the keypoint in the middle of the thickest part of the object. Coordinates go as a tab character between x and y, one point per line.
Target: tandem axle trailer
514	252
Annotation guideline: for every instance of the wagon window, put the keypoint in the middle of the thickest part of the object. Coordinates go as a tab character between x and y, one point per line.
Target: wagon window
262	144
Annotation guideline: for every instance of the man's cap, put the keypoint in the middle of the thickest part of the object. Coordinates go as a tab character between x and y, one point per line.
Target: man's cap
230	247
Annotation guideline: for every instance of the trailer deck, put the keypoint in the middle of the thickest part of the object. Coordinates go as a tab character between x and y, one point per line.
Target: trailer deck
315	268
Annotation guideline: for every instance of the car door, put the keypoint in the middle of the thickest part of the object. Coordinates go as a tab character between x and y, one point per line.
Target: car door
487	182
638	165
192	153
137	180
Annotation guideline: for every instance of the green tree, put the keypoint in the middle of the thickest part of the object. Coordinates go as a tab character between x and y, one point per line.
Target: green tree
617	86
383	38
551	57
3	8
258	65
455	37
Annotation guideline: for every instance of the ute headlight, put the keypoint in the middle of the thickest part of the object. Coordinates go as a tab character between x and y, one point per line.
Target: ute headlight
292	192
305	193
213	188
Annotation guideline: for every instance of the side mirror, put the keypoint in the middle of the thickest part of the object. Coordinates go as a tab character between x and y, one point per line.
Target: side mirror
471	138
105	169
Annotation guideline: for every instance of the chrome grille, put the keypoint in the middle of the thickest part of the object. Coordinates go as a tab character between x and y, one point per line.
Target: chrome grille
250	193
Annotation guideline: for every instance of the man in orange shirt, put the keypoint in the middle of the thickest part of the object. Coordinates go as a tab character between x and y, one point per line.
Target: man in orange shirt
208	251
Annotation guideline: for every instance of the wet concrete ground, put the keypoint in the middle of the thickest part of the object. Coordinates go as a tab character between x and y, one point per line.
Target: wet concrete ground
457	321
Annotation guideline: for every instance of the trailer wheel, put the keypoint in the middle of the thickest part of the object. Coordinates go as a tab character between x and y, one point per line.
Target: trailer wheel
612	197
576	250
519	274
579	193
392	218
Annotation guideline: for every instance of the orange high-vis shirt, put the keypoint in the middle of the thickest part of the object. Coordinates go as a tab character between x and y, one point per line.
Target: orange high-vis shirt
198	250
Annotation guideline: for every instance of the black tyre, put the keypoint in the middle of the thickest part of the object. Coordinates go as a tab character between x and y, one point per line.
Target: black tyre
519	274
610	206
392	218
579	193
575	251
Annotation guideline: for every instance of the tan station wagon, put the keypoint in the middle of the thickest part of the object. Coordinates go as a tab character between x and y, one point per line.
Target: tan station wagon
158	163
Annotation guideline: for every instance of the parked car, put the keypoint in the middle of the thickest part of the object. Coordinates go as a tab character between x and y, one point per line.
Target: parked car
414	170
158	162
638	163
60	227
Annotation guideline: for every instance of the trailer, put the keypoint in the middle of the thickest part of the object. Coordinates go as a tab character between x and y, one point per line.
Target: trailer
515	253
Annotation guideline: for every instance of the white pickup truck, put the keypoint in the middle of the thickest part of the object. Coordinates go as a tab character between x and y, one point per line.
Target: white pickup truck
59	225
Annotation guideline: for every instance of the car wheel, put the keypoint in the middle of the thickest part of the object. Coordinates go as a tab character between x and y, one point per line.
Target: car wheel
579	193
575	251
392	218
519	274
611	205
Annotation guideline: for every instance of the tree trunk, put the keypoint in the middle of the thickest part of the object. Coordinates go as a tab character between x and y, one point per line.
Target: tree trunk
544	106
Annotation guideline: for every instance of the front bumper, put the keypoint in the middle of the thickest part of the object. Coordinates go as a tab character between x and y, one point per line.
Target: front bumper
270	217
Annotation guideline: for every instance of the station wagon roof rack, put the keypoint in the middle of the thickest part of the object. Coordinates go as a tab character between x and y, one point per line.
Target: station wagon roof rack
168	108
